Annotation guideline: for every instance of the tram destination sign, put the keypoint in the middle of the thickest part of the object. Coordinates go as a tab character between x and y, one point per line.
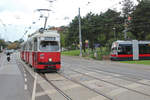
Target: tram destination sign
50	38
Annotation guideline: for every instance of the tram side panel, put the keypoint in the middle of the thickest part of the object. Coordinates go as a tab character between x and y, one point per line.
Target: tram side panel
34	59
30	57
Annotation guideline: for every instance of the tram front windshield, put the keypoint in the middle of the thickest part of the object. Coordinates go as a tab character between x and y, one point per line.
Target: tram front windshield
49	46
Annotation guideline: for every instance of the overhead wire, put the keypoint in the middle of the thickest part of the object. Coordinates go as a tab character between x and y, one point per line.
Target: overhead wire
29	28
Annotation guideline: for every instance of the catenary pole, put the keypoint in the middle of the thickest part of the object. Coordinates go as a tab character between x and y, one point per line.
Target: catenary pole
80	36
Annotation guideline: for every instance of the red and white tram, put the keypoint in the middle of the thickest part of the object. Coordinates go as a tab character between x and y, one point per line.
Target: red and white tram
130	50
42	51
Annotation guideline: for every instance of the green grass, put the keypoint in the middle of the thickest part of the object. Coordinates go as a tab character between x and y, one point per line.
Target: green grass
145	62
88	54
71	53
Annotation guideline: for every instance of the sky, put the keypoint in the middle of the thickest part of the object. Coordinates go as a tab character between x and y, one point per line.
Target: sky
20	16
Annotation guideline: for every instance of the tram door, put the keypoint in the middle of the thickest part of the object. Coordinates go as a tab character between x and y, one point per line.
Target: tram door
135	47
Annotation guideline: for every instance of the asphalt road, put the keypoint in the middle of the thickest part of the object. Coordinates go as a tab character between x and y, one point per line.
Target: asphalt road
130	70
116	80
11	80
78	79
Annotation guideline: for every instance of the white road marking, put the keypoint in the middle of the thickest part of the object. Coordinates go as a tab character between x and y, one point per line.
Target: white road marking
25	79
25	75
34	87
25	87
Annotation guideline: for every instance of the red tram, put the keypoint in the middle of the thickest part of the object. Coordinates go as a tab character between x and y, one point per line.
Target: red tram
130	50
42	51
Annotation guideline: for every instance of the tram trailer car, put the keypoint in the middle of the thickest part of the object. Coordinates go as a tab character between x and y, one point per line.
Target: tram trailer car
130	50
42	51
22	55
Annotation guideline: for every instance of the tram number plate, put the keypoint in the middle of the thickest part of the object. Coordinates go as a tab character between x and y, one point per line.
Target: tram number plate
50	66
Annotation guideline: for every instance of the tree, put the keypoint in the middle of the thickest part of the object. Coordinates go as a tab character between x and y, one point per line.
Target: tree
63	36
2	44
14	45
128	7
140	22
97	28
72	34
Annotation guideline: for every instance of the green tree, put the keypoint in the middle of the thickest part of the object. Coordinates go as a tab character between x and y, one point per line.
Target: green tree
2	44
97	28
140	22
72	34
127	8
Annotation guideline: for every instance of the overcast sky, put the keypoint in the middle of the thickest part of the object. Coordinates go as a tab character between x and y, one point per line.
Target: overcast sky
16	16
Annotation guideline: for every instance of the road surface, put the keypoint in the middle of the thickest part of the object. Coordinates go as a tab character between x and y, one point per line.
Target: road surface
78	79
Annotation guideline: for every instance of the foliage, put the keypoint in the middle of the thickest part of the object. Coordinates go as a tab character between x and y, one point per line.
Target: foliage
2	44
127	8
95	28
106	27
140	22
14	45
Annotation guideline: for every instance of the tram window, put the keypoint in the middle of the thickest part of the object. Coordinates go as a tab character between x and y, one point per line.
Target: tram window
35	44
119	49
49	46
125	49
144	49
30	46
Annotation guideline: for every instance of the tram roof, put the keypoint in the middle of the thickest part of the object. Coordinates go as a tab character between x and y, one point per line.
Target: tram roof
46	33
130	42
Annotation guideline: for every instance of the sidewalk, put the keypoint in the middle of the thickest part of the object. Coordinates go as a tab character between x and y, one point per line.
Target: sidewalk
11	80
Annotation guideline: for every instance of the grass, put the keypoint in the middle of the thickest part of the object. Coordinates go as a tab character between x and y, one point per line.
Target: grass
145	62
71	53
88	54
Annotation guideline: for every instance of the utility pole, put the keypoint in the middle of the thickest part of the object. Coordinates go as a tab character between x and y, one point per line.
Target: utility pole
80	36
125	31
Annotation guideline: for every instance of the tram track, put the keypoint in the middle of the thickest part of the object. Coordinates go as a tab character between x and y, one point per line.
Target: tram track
122	78
50	82
54	86
96	70
74	81
145	94
77	82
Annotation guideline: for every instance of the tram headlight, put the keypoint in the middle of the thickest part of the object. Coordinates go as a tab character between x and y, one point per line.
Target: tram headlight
50	59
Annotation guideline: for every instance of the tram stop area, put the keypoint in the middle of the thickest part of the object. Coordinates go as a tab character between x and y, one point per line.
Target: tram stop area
12	83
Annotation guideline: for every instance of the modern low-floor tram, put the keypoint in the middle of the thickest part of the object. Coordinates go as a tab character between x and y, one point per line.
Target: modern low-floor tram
130	50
